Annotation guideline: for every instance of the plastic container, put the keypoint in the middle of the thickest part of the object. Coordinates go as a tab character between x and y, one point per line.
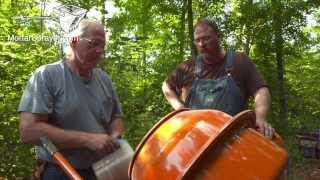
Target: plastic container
115	165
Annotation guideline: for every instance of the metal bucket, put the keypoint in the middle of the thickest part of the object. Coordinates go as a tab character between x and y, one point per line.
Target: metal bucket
115	165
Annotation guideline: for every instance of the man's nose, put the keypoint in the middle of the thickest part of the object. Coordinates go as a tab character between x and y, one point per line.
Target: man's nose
201	43
99	49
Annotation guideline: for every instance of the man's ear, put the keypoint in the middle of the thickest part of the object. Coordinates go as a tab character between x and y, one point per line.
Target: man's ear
74	41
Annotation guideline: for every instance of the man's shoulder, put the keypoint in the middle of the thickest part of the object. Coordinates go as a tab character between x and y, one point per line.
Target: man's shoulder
100	72
240	58
47	73
51	67
102	75
188	63
242	63
239	55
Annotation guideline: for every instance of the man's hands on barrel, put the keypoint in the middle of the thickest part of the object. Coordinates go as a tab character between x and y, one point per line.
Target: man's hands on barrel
265	128
262	100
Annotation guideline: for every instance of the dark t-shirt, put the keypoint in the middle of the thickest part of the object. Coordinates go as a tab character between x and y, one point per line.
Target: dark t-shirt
244	73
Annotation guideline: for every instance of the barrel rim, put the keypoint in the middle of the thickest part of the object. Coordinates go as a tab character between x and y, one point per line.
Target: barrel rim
149	133
243	119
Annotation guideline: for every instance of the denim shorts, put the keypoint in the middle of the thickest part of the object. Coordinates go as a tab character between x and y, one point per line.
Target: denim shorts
53	172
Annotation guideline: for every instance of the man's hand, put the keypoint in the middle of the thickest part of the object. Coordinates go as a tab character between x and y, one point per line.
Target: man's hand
262	101
171	97
265	128
102	144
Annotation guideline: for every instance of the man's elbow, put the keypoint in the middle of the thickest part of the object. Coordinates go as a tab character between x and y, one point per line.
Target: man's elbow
24	132
262	96
166	89
27	129
117	128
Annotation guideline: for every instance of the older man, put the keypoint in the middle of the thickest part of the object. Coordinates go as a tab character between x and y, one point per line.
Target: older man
74	104
218	79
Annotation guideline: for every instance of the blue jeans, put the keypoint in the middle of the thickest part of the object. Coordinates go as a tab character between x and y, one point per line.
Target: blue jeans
53	172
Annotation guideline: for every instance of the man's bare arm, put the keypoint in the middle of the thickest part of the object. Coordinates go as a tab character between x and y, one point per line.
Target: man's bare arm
171	96
116	128
33	126
262	101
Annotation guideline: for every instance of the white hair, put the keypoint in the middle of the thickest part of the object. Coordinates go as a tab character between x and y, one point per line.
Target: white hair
81	31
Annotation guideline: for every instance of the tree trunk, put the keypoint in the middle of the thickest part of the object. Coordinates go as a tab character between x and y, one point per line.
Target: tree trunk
182	29
282	94
103	11
248	28
12	4
248	42
145	11
279	44
190	27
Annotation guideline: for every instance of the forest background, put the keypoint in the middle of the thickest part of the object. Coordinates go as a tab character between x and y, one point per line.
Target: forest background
148	38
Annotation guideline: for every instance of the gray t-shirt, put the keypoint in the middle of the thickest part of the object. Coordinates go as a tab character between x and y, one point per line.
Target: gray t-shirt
72	103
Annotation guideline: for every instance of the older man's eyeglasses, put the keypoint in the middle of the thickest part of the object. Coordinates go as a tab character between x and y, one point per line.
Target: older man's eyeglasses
94	43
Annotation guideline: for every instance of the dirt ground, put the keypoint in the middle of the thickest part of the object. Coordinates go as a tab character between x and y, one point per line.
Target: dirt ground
308	170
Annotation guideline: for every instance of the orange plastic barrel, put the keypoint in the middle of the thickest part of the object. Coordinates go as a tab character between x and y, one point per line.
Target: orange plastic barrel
206	145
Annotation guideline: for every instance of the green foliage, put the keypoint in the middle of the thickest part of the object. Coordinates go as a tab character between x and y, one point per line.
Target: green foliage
17	60
148	39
